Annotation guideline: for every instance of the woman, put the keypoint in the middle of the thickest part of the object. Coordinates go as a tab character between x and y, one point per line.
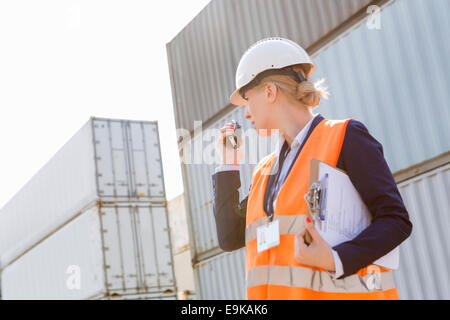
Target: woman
272	80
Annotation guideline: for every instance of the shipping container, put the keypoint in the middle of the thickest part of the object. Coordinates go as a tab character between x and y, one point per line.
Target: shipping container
178	226
222	277
406	111
108	251
182	261
106	160
394	79
184	275
425	256
390	117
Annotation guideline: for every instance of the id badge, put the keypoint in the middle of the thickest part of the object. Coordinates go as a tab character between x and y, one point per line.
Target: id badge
268	236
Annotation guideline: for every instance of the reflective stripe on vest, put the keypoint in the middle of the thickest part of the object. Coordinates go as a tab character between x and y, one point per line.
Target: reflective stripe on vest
319	280
274	273
288	225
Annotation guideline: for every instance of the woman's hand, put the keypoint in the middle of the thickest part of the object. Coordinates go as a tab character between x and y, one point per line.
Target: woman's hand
229	155
318	253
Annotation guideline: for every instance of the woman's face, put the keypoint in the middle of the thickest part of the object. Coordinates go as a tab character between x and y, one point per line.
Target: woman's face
260	110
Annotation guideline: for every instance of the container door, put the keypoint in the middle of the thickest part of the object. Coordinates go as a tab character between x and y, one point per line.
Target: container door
145	157
121	261
137	249
128	160
156	248
112	161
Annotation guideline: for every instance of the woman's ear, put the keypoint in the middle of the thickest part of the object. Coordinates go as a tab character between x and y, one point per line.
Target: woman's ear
271	92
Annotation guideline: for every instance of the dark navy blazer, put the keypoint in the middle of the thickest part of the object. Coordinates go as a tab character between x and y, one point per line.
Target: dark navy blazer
362	158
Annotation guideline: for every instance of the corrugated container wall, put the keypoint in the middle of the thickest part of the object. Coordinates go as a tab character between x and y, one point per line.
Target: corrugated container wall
392	79
222	277
204	55
107	160
395	80
425	256
107	251
375	109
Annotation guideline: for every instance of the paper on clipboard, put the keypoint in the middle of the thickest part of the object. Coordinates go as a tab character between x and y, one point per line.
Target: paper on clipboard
346	214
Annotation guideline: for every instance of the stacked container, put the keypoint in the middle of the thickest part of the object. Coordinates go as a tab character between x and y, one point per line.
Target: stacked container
92	223
372	55
202	77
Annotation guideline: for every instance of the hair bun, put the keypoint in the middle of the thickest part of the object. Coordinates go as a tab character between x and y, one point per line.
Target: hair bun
308	94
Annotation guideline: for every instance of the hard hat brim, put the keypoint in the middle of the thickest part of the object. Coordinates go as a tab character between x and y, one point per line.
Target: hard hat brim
237	99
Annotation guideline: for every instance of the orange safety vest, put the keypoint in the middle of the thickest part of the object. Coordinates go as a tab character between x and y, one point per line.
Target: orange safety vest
274	273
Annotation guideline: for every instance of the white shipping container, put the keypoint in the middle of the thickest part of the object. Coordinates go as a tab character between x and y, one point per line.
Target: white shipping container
114	251
111	160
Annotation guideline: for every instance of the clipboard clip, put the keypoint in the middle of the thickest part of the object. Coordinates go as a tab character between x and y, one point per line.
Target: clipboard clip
316	199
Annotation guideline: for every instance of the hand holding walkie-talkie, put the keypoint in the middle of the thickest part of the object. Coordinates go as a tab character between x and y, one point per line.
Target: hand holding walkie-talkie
233	141
230	143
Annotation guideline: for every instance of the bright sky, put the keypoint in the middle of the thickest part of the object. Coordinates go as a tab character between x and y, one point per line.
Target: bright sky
64	61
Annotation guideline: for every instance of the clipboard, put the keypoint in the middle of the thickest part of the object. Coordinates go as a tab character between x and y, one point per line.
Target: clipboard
337	210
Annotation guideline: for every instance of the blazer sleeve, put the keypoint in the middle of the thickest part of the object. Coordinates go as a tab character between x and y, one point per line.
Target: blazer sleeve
363	159
229	213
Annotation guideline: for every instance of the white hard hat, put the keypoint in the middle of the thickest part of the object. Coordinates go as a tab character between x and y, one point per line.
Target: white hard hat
268	54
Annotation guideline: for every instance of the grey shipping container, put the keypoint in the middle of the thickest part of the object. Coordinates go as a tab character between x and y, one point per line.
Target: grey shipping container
425	256
221	277
368	55
408	114
371	74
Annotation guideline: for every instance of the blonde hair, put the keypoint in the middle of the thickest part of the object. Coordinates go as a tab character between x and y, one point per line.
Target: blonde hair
306	92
